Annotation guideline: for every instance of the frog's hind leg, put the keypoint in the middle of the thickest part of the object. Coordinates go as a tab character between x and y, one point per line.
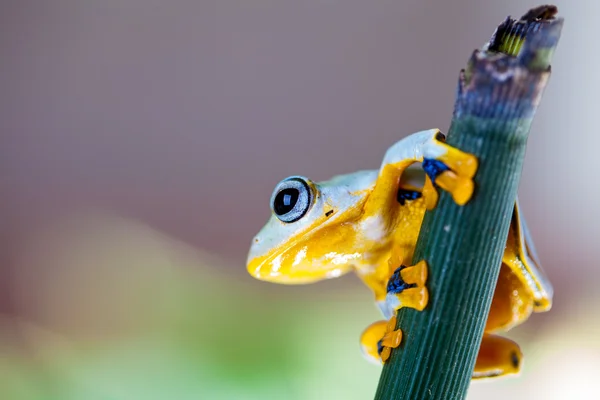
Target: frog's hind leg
498	356
378	340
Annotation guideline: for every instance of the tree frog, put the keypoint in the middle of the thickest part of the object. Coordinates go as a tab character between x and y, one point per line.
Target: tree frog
369	221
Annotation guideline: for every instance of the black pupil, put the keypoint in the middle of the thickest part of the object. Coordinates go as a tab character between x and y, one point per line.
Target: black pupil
285	201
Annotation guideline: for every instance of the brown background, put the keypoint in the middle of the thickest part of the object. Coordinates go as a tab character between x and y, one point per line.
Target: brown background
185	114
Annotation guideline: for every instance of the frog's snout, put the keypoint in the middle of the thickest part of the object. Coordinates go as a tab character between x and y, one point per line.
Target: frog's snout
270	264
257	262
262	268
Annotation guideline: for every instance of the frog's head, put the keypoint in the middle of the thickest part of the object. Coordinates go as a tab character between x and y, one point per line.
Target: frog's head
309	236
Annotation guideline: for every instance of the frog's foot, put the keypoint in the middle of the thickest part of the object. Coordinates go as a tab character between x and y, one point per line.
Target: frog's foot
406	287
449	169
497	356
378	340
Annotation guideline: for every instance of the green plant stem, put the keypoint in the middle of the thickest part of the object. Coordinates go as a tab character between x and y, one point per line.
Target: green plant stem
463	246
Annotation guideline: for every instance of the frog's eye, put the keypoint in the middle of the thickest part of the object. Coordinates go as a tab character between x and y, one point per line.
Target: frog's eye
291	199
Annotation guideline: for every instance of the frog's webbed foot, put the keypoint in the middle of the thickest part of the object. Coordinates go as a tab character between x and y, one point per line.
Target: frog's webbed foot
378	340
406	287
498	356
449	169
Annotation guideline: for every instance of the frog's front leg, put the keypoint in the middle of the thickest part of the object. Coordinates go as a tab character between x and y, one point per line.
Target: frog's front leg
449	169
405	288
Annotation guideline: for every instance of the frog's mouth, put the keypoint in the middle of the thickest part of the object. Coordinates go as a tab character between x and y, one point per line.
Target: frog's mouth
283	268
294	265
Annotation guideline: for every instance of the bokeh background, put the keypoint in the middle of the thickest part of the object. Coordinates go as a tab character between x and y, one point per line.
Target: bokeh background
141	141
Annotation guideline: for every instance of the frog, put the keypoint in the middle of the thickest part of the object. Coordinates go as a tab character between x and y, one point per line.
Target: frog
369	221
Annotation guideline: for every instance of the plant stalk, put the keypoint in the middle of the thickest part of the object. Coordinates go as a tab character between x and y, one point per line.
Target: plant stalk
498	94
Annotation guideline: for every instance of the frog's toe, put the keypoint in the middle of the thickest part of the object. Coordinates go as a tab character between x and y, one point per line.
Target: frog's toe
464	164
406	287
460	187
378	340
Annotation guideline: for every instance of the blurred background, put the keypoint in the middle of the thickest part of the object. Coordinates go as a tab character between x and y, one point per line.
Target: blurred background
141	141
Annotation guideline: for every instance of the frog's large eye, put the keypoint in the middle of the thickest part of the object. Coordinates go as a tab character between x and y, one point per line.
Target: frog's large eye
291	199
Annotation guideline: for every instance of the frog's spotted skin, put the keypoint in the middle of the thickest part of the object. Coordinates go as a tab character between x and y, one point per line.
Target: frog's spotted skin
369	222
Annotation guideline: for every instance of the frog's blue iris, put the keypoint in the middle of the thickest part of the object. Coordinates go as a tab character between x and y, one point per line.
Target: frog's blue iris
291	199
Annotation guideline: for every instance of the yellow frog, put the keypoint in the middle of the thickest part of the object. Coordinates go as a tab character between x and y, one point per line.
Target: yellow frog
369	222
